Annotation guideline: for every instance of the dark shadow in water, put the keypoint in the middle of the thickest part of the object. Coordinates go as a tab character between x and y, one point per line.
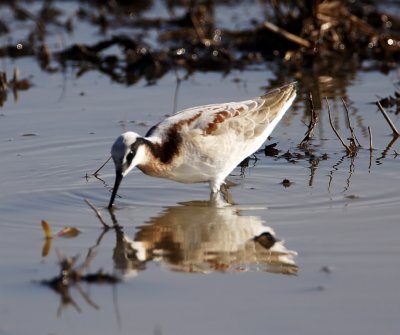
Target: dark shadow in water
202	237
72	275
385	152
335	168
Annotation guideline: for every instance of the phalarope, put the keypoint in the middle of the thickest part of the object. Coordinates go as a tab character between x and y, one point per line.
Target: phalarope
201	144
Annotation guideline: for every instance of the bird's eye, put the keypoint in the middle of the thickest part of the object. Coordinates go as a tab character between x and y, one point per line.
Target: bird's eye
129	157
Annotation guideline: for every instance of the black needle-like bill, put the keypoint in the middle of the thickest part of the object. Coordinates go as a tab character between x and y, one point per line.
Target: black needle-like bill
118	179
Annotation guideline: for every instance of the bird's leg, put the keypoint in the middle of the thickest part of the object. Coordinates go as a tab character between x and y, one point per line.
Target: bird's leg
217	201
226	195
215	196
215	185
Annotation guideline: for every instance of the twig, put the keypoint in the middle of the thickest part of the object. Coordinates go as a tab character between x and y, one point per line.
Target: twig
335	167
98	214
371	148
348	149
65	300
363	26
389	121
353	134
313	121
89	257
370	139
199	30
351	171
387	149
3	82
313	167
289	36
86	297
97	171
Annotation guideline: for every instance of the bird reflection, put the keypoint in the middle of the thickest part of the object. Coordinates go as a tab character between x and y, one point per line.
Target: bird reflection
191	237
202	237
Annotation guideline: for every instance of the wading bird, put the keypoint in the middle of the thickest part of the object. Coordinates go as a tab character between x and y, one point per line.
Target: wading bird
204	143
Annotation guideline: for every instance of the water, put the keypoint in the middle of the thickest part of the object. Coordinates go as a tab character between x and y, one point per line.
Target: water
189	266
196	268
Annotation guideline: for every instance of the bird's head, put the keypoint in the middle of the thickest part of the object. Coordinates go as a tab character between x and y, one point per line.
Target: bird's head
127	152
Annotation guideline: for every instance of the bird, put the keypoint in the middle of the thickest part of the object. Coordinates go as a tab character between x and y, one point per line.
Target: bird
201	144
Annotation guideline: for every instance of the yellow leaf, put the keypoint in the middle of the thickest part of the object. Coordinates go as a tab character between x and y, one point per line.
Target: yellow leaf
46	229
46	247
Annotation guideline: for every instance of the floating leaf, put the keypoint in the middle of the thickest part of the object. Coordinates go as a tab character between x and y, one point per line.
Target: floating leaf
68	232
46	229
46	247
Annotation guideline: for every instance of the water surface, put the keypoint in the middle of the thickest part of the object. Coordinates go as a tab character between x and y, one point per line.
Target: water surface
188	266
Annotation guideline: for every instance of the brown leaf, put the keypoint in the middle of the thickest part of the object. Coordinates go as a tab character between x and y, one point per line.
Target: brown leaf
68	232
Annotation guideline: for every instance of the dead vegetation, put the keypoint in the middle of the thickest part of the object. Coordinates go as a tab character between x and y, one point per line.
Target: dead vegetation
316	34
307	152
313	122
15	85
353	145
71	274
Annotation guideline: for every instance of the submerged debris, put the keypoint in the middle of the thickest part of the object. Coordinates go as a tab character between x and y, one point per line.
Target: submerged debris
271	150
286	183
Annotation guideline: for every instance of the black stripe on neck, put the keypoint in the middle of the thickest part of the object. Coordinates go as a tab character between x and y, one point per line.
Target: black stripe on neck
165	151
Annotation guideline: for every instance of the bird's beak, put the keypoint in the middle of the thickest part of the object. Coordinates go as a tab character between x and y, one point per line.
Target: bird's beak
118	179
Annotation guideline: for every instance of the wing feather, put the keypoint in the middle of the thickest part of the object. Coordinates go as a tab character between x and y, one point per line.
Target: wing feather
207	119
249	118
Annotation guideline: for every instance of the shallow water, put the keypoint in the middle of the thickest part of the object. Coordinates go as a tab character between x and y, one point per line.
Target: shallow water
191	267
